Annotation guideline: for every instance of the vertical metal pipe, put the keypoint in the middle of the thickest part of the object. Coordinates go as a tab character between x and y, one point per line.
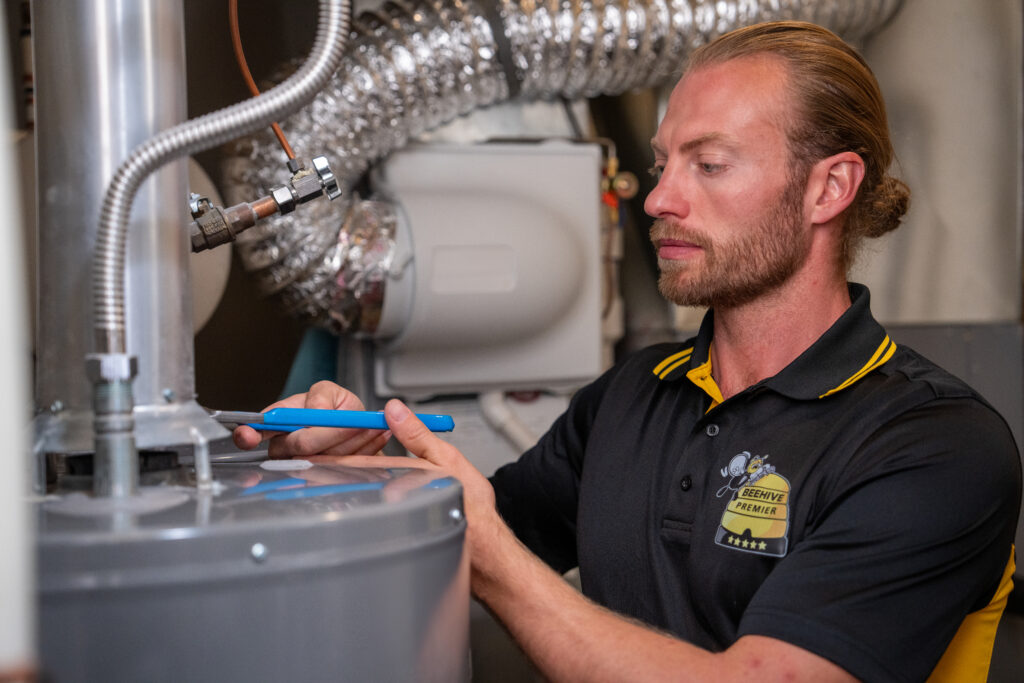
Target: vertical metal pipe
17	528
110	74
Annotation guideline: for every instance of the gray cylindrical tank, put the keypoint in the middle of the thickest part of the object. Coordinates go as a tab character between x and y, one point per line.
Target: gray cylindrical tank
326	573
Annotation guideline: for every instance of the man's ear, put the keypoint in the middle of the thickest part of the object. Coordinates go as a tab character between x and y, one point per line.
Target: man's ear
833	183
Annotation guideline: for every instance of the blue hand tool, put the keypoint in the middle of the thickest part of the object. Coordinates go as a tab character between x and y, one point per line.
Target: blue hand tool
291	419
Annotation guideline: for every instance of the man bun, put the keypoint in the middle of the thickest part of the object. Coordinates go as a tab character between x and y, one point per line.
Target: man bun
885	207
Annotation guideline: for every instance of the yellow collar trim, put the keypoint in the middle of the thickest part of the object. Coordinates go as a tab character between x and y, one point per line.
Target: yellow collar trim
882	354
665	367
701	376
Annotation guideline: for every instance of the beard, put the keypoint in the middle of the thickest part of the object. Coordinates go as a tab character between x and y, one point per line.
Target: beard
766	252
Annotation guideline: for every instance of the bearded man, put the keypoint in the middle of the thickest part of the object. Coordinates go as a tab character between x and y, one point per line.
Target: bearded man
789	495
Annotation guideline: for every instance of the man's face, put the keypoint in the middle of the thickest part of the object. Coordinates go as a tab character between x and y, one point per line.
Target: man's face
729	217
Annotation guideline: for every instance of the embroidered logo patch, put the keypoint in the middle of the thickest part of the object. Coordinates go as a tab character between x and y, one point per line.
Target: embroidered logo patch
756	519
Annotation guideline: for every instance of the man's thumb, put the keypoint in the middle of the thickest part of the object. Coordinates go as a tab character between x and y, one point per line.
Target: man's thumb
409	431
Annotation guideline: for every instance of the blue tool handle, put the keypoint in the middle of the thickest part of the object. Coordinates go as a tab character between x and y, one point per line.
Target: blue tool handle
260	427
359	419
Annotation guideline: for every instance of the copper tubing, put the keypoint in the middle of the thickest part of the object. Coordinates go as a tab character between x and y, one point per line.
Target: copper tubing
236	42
264	207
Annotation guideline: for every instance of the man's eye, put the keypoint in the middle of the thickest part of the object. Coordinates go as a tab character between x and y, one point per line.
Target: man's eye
709	168
655	172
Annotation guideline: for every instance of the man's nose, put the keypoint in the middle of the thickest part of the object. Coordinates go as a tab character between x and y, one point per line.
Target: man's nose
666	200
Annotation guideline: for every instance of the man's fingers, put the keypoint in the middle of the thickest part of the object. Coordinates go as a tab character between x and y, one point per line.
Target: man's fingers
330	396
246	438
324	396
366	442
326	440
414	435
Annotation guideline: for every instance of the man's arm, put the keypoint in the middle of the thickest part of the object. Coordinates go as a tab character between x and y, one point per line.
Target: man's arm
567	636
570	638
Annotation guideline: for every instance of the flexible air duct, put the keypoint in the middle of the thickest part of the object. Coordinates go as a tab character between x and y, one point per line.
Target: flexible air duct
415	65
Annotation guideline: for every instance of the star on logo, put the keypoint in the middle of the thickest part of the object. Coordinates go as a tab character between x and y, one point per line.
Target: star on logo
762	546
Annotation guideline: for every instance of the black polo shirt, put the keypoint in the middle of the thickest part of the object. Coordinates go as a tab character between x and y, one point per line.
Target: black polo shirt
859	504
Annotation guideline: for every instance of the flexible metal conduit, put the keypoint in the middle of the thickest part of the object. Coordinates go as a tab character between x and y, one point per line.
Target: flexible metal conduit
192	136
416	64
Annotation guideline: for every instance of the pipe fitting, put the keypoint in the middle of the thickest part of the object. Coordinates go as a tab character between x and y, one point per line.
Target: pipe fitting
111	367
218	226
284	198
115	461
328	181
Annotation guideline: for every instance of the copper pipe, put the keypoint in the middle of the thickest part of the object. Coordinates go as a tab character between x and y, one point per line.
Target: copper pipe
264	207
236	42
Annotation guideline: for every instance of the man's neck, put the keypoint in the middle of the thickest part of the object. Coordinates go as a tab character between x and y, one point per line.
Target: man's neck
757	340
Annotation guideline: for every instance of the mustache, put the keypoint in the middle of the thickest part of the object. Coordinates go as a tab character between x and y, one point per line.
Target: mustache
663	229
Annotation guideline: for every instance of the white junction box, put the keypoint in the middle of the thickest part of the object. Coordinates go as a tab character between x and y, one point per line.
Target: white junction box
501	287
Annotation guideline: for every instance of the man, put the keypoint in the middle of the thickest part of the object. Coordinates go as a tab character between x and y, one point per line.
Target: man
787	496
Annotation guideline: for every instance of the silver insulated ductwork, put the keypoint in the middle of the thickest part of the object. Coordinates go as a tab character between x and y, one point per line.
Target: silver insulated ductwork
413	66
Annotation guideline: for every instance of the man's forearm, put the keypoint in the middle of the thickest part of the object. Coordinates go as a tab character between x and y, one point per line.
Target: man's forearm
570	638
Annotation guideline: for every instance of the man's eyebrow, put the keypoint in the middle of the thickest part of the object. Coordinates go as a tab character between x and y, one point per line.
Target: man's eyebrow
690	145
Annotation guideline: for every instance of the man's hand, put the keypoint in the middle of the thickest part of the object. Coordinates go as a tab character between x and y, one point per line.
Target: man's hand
316	440
361	447
485	529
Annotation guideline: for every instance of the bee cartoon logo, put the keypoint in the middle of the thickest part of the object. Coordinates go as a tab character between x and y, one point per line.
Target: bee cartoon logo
757	517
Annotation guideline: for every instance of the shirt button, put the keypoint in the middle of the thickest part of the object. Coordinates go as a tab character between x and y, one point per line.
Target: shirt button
686	483
711	430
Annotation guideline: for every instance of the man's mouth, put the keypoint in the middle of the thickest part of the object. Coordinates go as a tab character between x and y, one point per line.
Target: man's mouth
675	241
676	249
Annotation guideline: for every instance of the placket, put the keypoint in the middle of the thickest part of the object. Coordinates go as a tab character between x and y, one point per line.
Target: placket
696	475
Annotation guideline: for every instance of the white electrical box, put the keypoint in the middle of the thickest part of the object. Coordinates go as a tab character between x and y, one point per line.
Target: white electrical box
501	284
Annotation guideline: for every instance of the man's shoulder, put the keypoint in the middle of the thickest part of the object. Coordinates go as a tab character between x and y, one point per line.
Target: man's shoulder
918	396
918	370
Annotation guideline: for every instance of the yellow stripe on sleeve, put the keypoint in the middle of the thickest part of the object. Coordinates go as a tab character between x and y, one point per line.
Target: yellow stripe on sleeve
968	657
